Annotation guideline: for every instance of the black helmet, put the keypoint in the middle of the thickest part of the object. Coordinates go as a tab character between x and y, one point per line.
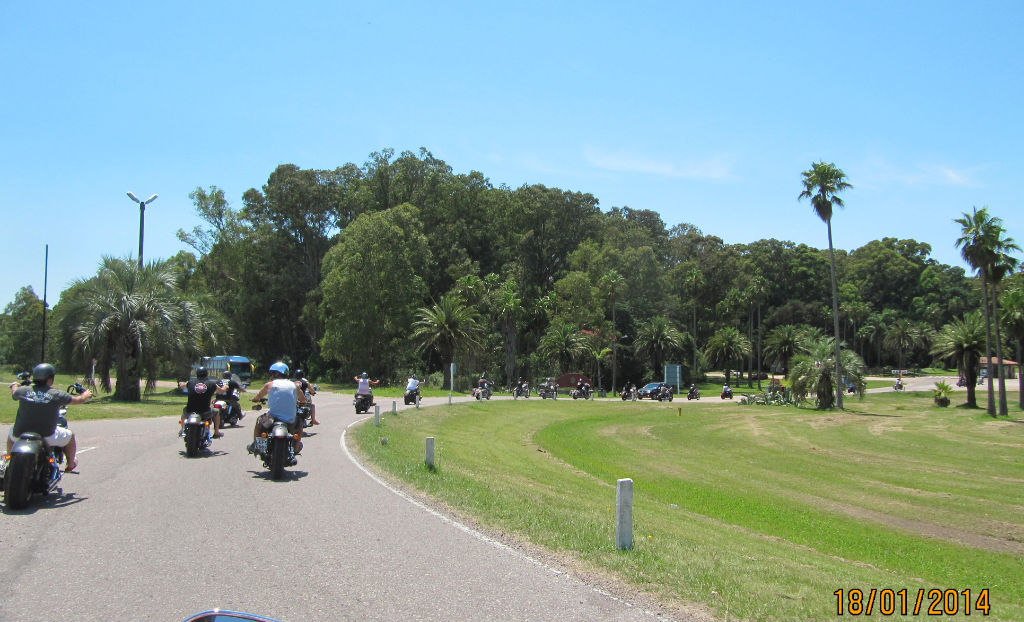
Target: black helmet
201	372
298	374
226	375
43	372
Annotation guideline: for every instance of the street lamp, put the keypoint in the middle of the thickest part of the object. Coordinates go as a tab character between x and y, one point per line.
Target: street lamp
142	217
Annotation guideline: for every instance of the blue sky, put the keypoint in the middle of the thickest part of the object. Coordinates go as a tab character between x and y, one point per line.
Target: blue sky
705	112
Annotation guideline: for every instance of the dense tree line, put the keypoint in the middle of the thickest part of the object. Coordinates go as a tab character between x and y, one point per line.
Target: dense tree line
402	264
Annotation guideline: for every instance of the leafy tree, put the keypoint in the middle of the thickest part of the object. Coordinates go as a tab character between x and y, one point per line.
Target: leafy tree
129	317
22	340
371	289
821	185
726	346
963	340
656	340
814	372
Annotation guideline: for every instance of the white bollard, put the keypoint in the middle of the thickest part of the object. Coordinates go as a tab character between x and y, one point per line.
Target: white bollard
624	515
376	415
429	457
394	407
417	401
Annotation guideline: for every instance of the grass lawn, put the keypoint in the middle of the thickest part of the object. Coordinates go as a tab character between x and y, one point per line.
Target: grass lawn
755	512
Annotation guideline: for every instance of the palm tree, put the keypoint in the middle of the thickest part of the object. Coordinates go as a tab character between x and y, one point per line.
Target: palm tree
998	270
656	340
1012	305
611	283
963	340
562	343
783	343
449	326
509	307
815	372
903	335
130	317
983	246
821	185
694	279
726	346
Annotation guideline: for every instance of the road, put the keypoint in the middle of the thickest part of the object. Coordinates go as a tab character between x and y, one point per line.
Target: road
144	533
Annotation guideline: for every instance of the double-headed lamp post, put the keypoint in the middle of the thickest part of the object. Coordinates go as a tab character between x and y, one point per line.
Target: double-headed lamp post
142	217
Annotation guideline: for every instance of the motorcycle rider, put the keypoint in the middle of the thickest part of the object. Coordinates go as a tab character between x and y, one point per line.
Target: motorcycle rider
38	408
485	384
200	394
282	395
364	386
231	390
726	390
306	387
413	384
693	390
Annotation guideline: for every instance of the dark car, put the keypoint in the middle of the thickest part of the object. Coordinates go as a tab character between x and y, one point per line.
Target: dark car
649	390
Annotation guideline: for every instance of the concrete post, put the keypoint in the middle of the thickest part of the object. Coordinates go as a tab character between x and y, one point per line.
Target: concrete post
417	401
394	407
376	415
624	515
429	456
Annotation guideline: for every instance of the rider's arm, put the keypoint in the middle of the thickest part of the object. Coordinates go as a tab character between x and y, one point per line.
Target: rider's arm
262	393
81	397
300	396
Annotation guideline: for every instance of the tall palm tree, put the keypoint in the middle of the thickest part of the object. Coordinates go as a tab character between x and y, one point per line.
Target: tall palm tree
1003	265
611	283
1012	305
130	317
814	372
983	246
903	335
693	279
508	307
821	185
448	326
963	340
656	340
726	346
563	343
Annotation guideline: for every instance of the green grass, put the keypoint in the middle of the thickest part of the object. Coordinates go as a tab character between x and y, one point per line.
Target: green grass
755	512
163	403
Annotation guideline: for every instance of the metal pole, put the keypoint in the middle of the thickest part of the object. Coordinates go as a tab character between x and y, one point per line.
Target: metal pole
46	269
142	221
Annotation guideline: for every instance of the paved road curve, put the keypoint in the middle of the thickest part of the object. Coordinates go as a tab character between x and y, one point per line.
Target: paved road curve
144	533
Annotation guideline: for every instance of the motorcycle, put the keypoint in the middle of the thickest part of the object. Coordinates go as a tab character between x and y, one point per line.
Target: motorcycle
482	393
548	391
33	467
196	433
693	394
521	390
726	394
628	394
411	397
960	382
584	393
899	386
275	446
230	410
664	394
363	402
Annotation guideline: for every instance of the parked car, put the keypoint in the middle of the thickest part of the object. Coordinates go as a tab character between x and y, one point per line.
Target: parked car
649	390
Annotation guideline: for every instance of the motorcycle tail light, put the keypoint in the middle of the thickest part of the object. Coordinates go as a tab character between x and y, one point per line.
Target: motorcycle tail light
181	421
206	423
295	436
52	460
263	435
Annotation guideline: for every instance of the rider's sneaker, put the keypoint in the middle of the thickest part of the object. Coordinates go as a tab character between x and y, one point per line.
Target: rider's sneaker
251	448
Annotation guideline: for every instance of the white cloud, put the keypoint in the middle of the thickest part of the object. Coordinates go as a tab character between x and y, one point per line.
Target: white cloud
717	167
881	171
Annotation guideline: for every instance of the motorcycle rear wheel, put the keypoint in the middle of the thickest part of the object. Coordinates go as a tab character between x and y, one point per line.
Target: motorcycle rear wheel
193	435
18	481
278	455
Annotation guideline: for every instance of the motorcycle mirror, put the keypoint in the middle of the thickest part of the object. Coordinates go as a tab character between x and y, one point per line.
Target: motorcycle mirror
227	616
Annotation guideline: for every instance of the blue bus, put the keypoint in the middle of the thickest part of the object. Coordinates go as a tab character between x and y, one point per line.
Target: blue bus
240	367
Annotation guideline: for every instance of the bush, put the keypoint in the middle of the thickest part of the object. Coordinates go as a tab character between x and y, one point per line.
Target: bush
941	393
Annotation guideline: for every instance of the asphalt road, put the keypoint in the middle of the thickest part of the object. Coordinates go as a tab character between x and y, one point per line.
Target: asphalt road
144	533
